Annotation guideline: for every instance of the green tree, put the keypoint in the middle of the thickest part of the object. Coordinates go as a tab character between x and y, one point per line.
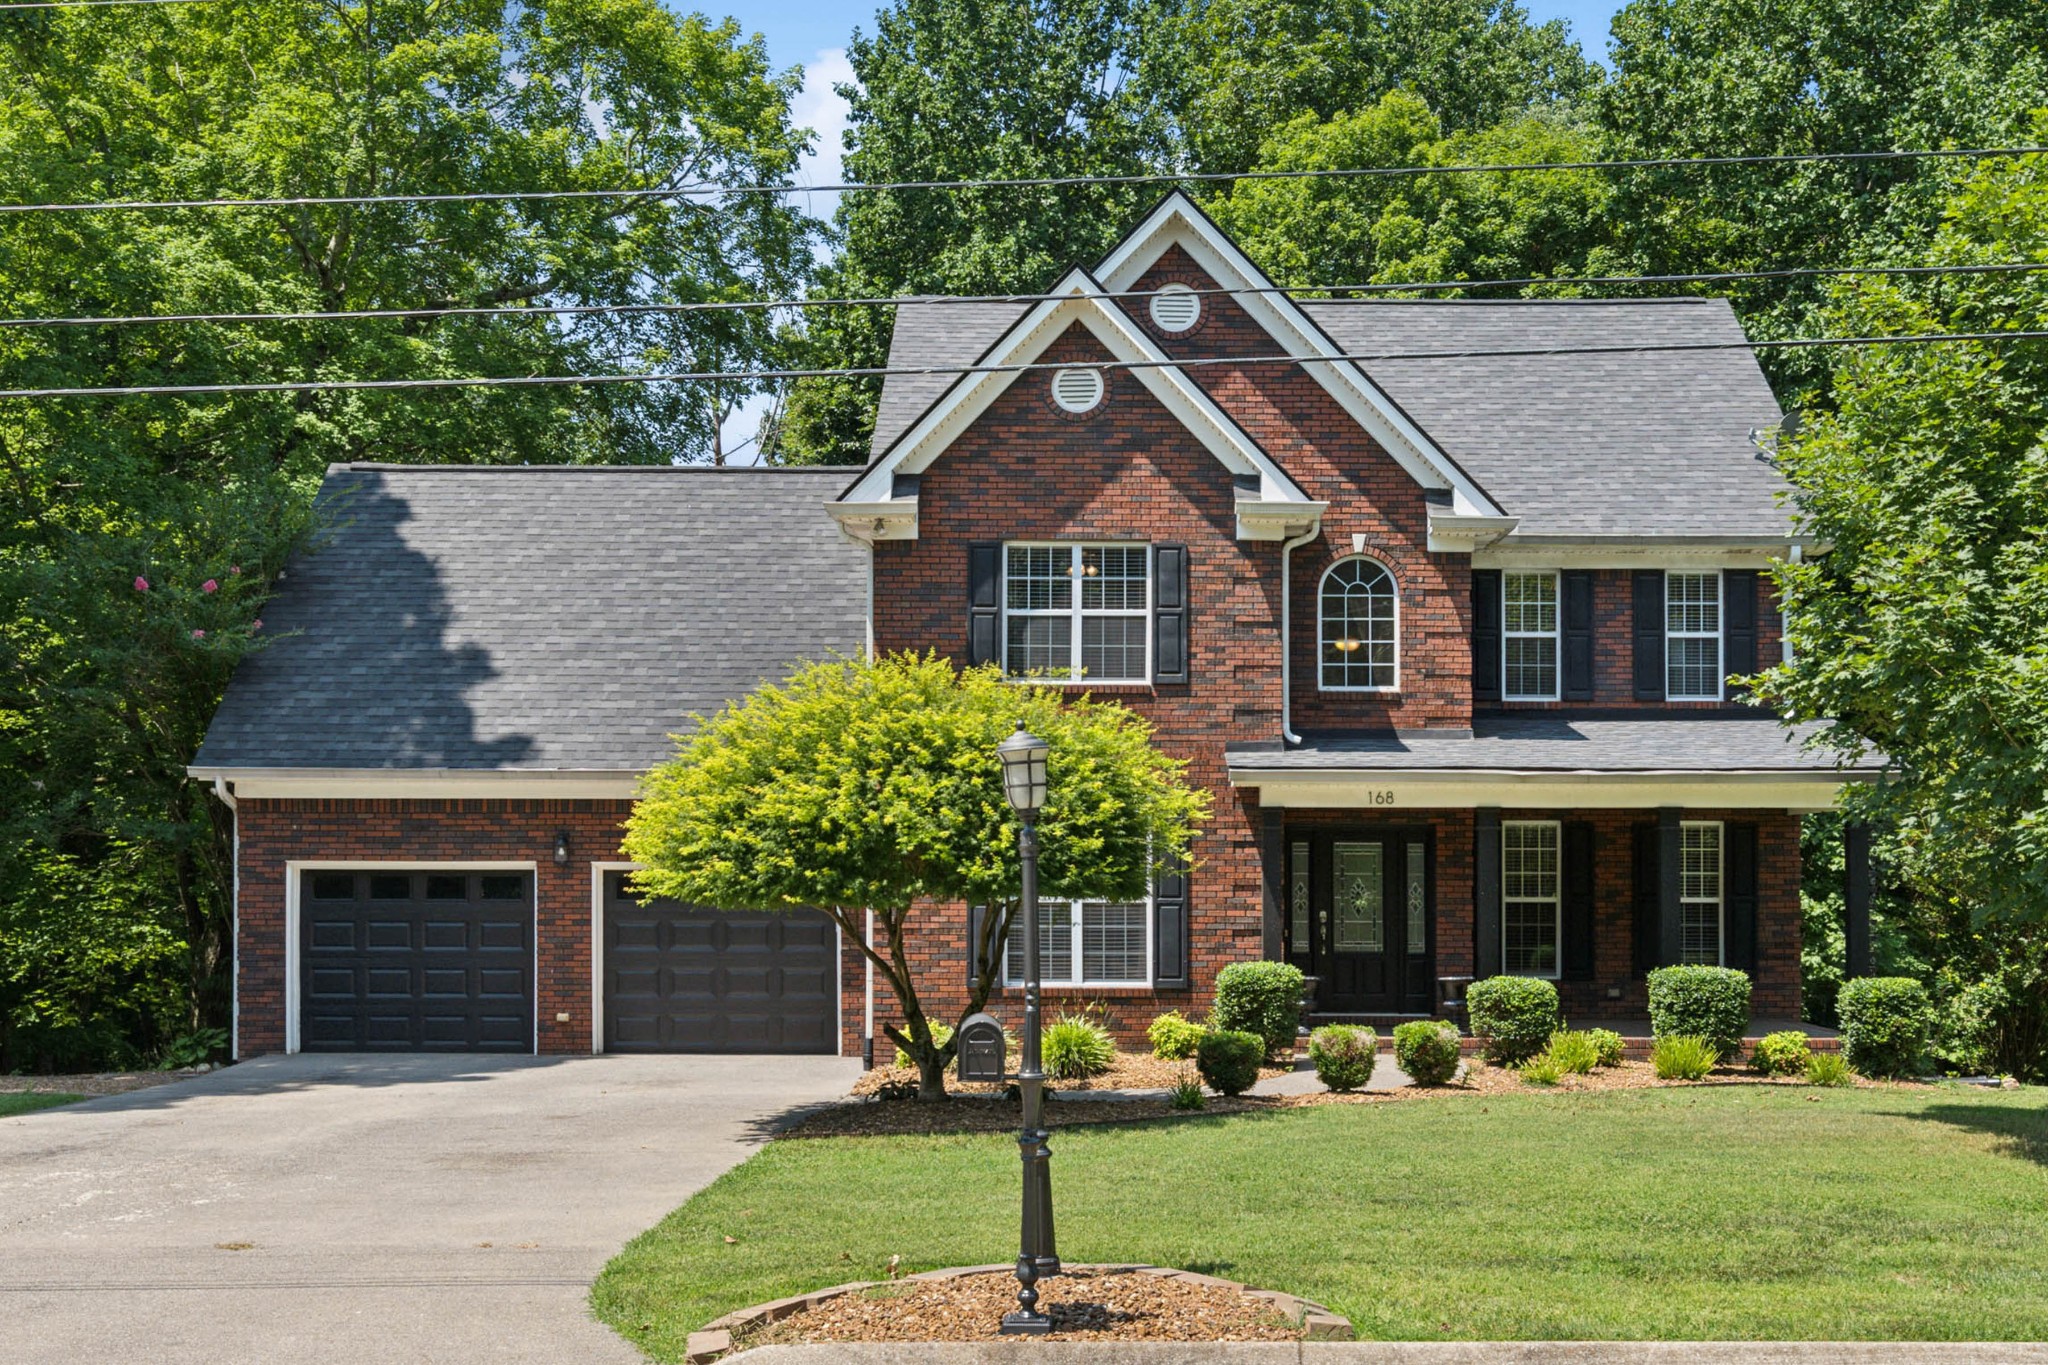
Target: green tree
863	786
105	690
970	90
1923	630
1753	77
1514	224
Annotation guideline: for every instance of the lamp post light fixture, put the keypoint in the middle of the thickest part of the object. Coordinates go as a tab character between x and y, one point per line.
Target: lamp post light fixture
1023	755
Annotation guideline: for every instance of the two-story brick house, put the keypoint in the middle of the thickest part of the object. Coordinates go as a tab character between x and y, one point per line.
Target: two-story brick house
1446	629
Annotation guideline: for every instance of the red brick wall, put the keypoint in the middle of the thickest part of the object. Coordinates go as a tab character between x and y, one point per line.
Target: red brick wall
273	832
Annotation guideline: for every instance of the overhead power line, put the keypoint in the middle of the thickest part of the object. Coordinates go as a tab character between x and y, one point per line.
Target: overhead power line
92	4
1036	182
884	371
758	305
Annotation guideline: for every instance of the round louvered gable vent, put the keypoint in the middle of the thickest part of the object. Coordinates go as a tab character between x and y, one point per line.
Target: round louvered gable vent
1176	307
1077	390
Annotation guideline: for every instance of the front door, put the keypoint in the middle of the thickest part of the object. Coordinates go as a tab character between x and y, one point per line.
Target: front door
1366	895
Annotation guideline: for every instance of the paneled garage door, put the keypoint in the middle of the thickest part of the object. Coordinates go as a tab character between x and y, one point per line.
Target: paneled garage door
678	978
416	962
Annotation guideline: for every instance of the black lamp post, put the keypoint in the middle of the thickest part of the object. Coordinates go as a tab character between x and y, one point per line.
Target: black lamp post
1023	756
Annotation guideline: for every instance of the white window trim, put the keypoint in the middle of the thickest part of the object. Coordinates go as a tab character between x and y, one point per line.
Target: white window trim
1073	908
1076	612
1720	901
1321	625
1556	828
1720	636
1555	633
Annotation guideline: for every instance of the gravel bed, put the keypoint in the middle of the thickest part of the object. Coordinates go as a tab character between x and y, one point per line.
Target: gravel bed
1084	1306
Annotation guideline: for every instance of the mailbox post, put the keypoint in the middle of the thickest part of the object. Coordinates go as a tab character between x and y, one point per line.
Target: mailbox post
1024	783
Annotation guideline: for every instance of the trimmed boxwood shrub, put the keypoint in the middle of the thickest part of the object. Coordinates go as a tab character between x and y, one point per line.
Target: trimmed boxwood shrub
1343	1055
1780	1054
1262	998
1701	1002
1608	1044
1884	1024
1514	1014
1173	1036
1427	1049
1229	1060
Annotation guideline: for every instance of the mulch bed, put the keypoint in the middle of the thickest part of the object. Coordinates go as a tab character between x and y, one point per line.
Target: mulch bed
92	1082
1084	1306
1130	1071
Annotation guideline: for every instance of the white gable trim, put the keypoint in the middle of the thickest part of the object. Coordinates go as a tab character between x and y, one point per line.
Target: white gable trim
870	510
1178	222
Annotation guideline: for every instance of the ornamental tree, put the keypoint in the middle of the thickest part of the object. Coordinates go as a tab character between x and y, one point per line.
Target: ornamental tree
873	786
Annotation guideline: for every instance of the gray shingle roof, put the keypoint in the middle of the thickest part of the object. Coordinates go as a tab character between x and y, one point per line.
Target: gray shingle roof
1547	742
480	618
1644	444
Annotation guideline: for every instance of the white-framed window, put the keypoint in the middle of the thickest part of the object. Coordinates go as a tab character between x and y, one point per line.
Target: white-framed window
1528	641
1114	939
1531	929
1692	636
1699	893
1100	631
1361	628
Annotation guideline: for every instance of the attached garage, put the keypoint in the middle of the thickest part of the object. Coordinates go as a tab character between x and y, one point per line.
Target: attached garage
681	978
416	961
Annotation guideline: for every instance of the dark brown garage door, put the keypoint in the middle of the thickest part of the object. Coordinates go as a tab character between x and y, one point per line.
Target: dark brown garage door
416	962
682	979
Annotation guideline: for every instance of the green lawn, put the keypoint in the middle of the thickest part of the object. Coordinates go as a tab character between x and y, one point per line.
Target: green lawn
26	1102
1727	1212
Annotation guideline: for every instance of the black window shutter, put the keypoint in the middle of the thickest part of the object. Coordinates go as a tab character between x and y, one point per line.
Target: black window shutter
1170	613
1170	926
1649	633
1579	860
1486	635
984	603
1644	898
1738	618
1739	919
1575	588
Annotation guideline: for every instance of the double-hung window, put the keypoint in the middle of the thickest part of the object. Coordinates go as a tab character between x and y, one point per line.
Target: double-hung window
1530	900
1529	636
1692	636
1077	612
1699	894
1085	943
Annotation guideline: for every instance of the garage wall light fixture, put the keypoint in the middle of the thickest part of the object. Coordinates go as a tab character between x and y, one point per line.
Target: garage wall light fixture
562	848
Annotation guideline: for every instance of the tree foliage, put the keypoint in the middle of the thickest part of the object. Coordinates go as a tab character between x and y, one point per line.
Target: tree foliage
875	786
116	866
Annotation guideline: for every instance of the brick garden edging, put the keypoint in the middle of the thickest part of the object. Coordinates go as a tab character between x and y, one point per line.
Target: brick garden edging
715	1338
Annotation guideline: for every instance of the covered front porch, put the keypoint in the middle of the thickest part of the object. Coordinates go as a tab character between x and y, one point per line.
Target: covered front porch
1397	868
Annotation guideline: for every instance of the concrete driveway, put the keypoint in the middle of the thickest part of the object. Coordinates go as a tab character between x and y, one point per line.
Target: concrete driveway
380	1209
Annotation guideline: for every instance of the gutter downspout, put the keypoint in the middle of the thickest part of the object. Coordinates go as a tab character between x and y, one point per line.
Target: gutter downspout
227	798
867	1050
1287	549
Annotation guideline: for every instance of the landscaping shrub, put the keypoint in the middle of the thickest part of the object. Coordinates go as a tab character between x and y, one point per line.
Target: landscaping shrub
1427	1049
1575	1053
1701	1002
1682	1057
1607	1044
1542	1069
1075	1047
942	1034
1514	1014
1186	1095
1174	1037
1884	1024
1827	1068
1781	1054
1229	1060
1263	998
1343	1055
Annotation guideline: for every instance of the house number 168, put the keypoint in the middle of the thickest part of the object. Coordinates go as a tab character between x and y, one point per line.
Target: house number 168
1380	797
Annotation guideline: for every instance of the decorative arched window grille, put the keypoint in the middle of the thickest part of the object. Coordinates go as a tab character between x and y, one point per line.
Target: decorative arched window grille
1360	638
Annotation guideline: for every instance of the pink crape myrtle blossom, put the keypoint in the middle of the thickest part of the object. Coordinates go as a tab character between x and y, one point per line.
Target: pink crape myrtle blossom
199	635
141	583
210	585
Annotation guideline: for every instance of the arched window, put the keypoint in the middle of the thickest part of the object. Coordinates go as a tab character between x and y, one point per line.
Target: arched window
1360	629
